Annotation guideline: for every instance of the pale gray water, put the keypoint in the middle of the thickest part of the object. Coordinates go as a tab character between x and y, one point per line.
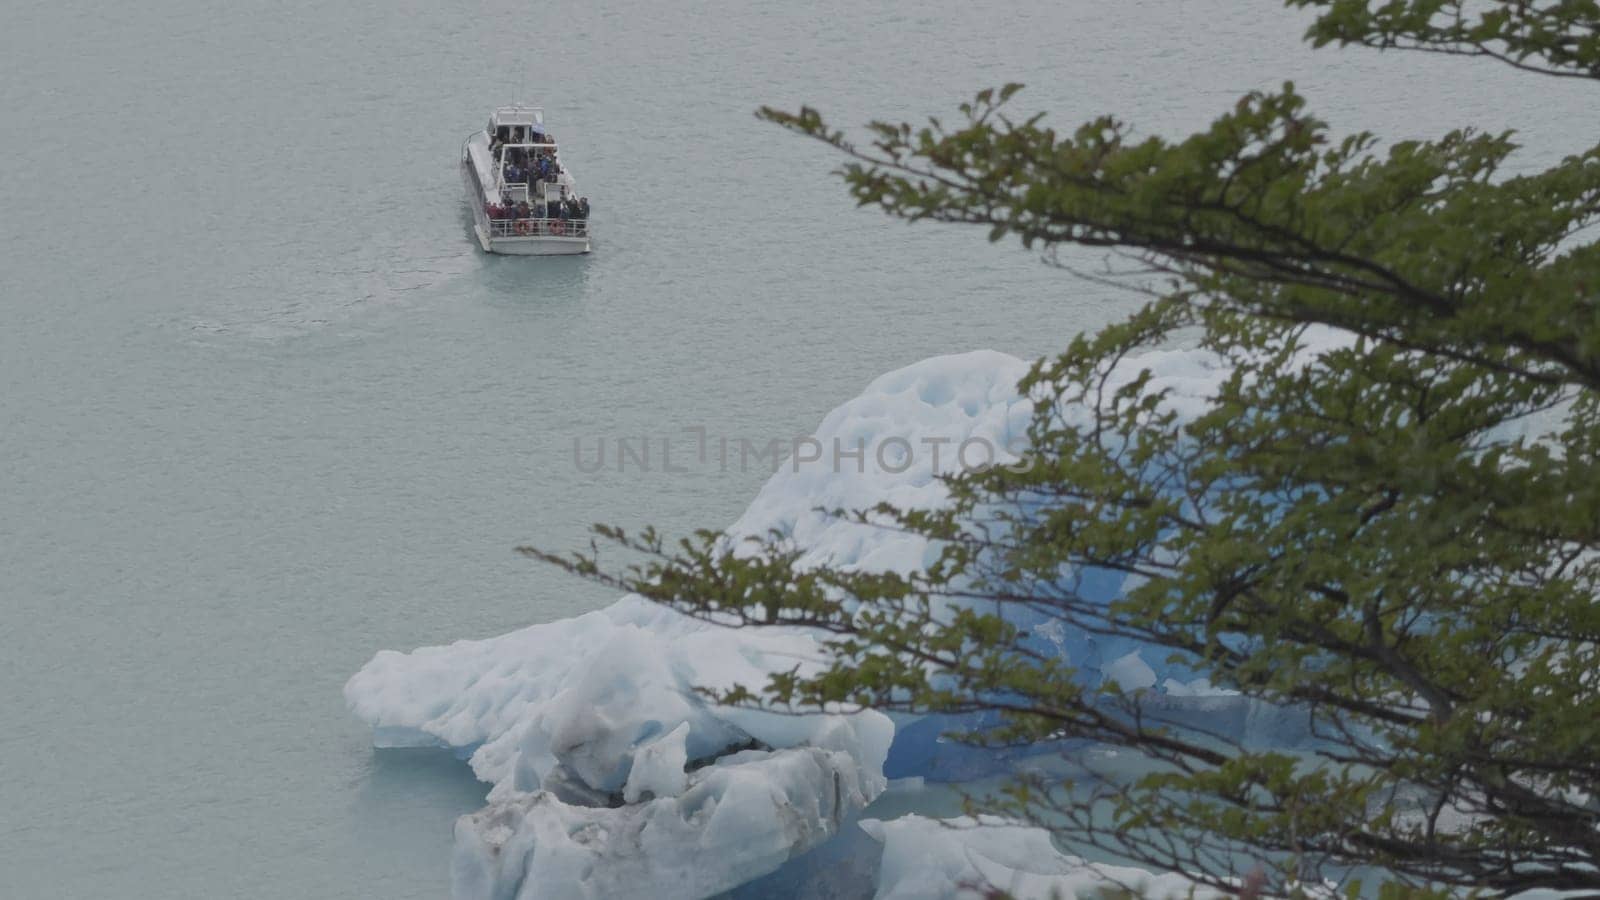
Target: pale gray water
265	409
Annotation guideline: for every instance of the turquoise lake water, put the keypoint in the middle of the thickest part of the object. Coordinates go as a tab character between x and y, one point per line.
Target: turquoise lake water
266	409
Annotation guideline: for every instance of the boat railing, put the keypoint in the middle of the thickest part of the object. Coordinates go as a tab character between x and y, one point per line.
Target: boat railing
538	228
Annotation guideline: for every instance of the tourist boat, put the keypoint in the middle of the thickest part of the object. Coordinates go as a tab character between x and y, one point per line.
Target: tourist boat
521	192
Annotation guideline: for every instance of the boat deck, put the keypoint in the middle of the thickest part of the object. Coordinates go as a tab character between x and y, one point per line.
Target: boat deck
496	201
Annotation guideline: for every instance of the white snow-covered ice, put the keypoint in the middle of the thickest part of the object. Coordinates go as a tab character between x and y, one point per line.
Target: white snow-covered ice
612	777
588	729
741	817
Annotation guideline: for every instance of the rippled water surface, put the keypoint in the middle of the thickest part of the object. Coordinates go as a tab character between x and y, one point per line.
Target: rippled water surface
265	409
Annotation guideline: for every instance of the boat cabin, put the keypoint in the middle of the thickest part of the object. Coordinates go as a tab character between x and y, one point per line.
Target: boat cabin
516	124
524	157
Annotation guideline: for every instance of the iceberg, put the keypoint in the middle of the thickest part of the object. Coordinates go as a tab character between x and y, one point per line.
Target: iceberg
739	818
612	776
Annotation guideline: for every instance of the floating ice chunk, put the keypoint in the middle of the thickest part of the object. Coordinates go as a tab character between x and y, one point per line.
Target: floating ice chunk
934	858
739	818
585	695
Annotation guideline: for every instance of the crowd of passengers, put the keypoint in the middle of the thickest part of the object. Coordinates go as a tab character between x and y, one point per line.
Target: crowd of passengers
565	208
532	167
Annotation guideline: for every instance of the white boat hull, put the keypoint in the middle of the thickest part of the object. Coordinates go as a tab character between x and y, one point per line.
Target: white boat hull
538	245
